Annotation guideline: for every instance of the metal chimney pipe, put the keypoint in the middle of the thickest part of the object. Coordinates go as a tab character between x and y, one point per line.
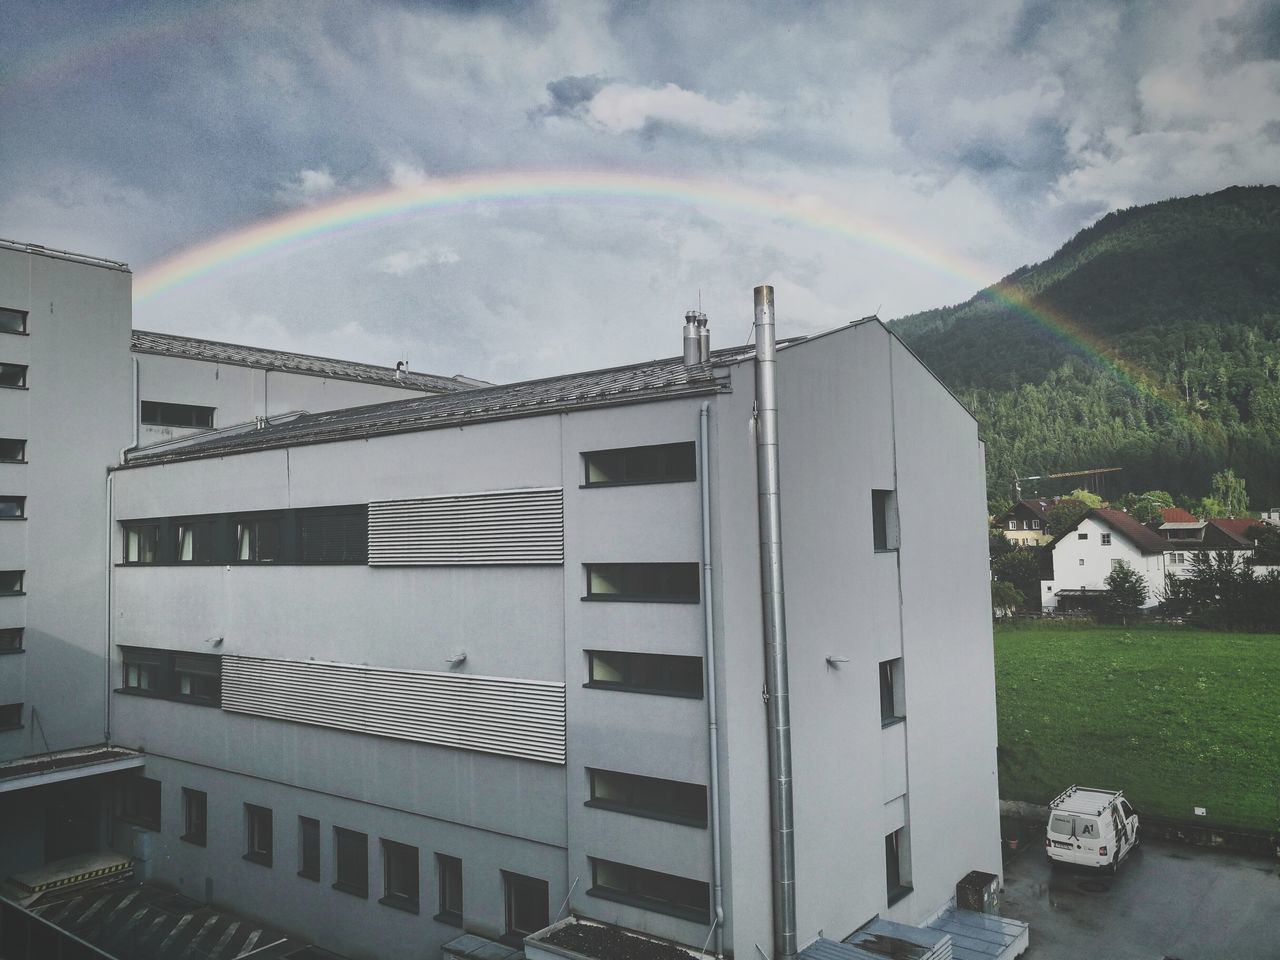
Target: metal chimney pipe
781	811
704	339
692	352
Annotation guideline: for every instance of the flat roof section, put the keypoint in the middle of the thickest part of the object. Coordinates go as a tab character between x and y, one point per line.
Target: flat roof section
40	250
66	765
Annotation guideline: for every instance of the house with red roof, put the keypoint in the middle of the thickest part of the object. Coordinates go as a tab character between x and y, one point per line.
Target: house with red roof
1084	556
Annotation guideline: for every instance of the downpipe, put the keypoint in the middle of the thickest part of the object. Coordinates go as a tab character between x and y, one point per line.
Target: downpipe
708	631
777	700
136	413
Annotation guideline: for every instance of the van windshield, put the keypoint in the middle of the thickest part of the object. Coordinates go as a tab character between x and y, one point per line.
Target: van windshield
1070	825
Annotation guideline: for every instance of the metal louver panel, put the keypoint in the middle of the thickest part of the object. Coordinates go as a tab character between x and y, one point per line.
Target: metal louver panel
501	715
506	527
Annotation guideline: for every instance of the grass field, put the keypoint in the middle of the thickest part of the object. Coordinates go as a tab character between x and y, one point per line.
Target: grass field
1177	718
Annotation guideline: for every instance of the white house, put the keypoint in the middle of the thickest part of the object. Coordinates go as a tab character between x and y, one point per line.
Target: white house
1085	555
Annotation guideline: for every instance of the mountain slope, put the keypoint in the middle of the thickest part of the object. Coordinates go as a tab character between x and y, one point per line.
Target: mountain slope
1150	340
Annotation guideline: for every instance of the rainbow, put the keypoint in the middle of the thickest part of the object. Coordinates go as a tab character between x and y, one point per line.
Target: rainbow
299	227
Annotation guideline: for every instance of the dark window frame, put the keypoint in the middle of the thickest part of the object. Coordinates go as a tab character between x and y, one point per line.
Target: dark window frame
14	371
21	449
637	582
892	709
634	466
20	580
514	886
256	526
195	817
168	668
139	802
654	798
164	413
20	504
329	535
639	880
639	669
308	848
259	834
897	879
133	534
347	844
11	716
885	531
449	882
22	318
398	857
12	640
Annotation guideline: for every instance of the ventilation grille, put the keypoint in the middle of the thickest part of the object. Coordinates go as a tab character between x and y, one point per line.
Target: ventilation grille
509	527
506	716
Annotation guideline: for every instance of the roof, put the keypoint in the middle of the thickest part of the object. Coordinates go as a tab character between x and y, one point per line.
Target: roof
1090	800
655	379
1176	515
1237	526
1039	507
1141	537
215	351
40	250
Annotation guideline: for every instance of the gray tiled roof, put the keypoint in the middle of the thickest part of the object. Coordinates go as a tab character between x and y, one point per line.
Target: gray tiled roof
192	348
654	379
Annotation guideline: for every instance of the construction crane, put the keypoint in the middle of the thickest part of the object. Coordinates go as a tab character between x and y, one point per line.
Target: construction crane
1096	471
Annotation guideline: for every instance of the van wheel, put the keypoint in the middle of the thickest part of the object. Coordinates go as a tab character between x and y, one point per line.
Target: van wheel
1114	865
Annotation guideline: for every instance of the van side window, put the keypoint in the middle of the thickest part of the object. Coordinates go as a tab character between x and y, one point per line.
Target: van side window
1125	809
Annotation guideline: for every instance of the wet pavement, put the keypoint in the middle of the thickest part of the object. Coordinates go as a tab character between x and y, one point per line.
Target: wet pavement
1167	901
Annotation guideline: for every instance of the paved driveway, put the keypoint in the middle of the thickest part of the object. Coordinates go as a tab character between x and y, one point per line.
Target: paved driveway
1168	900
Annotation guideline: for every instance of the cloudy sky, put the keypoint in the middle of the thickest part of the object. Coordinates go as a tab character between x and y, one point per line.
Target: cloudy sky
892	156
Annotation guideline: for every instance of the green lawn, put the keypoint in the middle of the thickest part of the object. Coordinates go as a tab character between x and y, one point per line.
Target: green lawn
1177	718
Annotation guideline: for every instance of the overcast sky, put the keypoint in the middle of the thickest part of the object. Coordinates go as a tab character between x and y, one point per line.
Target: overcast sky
980	136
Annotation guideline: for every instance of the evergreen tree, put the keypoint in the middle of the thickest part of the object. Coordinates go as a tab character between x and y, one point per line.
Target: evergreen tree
1128	592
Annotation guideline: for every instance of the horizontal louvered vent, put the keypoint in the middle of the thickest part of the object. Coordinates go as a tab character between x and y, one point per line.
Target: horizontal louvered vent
502	715
511	526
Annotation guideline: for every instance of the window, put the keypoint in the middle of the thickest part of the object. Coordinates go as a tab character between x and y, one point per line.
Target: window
351	854
892	708
659	673
651	890
651	797
1013	525
257	831
172	675
10	716
1106	539
660	463
334	534
449	878
526	901
13	321
644	582
1082	561
195	541
141	543
258	540
13	451
1082	536
158	414
884	520
140	801
897	865
400	876
13	375
308	848
195	819
11	582
11	640
1177	558
1035	524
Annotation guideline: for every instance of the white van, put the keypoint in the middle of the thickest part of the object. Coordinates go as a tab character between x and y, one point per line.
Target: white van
1095	828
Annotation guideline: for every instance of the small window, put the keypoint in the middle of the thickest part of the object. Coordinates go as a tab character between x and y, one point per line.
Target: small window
1106	539
140	802
400	876
449	878
644	582
13	321
1082	536
1035	524
1013	525
660	673
258	539
884	520
13	508
11	582
1178	557
11	640
308	848
892	709
660	463
351	856
651	890
172	675
158	414
334	534
197	677
258	830
657	799
1082	561
13	375
195	816
897	865
195	541
527	906
141	543
10	716
13	451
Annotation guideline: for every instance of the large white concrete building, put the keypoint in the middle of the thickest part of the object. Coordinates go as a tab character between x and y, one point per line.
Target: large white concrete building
466	663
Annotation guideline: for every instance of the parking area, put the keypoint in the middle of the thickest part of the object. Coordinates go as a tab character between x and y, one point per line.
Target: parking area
1167	901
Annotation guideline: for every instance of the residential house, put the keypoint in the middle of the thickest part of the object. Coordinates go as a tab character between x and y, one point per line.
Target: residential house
1025	523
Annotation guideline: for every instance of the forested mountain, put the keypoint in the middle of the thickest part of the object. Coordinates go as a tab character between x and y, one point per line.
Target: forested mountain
1149	341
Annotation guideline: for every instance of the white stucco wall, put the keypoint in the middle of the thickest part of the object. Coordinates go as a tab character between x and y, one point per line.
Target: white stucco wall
1082	561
